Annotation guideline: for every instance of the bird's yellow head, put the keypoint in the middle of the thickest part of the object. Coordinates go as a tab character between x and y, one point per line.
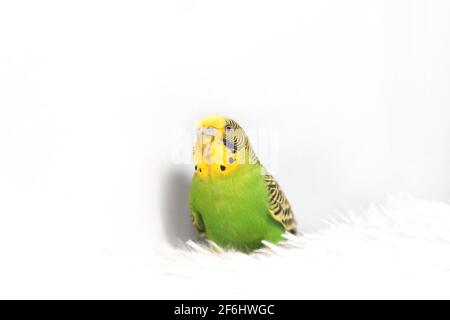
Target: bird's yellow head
221	147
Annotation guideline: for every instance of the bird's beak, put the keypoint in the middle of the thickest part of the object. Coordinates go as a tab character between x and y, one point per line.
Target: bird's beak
207	135
211	132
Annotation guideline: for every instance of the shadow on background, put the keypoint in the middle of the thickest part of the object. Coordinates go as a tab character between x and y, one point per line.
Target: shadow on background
177	221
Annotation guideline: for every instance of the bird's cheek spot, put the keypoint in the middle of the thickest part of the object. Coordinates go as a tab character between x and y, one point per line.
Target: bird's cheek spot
230	160
200	170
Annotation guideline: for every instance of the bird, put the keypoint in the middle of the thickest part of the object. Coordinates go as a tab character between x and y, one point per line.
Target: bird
234	202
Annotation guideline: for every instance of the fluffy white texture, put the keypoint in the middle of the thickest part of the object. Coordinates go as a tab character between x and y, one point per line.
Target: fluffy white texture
400	250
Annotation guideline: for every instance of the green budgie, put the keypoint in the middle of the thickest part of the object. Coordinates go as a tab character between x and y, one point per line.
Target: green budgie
234	201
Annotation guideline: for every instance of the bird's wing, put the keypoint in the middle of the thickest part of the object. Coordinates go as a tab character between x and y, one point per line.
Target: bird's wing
198	222
279	206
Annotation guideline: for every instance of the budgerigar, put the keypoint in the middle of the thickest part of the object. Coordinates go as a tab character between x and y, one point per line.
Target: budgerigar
234	201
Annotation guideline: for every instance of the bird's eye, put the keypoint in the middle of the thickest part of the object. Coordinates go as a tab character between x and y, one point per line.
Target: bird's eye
228	128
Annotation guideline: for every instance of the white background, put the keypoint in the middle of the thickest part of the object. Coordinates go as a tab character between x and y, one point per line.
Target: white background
94	96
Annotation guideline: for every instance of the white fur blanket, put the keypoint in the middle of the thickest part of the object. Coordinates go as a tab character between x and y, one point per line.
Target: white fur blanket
400	250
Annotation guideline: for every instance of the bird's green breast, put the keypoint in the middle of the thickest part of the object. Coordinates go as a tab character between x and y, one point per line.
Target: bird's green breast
235	210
